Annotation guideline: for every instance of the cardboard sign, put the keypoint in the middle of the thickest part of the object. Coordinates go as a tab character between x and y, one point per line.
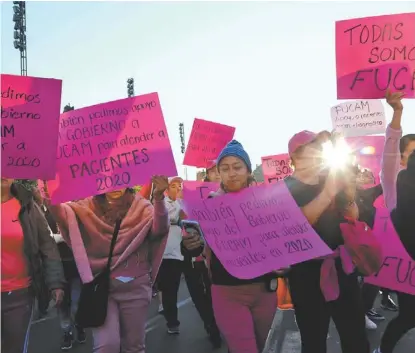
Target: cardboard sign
111	146
257	230
398	269
359	118
276	167
374	53
29	126
206	141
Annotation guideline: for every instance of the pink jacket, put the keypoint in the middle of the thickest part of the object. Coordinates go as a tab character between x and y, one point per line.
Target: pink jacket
390	166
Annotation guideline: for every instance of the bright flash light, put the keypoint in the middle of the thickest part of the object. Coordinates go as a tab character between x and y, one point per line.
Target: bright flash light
368	150
336	156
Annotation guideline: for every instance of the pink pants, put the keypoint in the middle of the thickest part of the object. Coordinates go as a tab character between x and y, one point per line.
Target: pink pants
124	328
244	315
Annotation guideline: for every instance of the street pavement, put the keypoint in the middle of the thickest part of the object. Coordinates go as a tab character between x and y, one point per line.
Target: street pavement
284	336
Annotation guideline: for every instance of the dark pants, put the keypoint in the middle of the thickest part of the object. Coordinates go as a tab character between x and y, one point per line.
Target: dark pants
401	324
369	294
313	313
168	280
199	285
16	314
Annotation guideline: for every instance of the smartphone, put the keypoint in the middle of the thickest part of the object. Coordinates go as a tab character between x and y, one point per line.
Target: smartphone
188	226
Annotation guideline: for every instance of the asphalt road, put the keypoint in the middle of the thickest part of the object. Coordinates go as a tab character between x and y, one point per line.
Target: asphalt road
284	336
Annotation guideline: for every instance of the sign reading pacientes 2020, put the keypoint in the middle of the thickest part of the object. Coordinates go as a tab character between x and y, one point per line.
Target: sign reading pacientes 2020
29	126
398	269
111	146
375	53
256	231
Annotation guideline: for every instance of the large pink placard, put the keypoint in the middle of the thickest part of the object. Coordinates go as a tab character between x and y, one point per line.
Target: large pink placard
111	146
276	167
257	230
29	126
374	53
207	139
398	269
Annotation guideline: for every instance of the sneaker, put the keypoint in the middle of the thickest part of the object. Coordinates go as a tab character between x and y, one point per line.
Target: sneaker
377	350
389	305
161	309
173	330
67	341
373	315
80	335
370	325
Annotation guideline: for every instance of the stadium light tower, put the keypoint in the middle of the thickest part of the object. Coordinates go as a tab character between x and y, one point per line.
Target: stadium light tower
20	43
182	144
130	87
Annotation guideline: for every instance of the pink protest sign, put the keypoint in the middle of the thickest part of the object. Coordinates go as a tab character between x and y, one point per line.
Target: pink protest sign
257	230
197	190
374	53
276	167
29	126
368	151
111	146
398	269
206	141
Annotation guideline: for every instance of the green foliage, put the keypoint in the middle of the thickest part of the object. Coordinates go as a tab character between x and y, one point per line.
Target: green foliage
27	183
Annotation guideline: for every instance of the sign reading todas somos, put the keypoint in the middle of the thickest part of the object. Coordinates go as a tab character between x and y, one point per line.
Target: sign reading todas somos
206	141
398	269
374	53
276	167
29	126
111	146
257	230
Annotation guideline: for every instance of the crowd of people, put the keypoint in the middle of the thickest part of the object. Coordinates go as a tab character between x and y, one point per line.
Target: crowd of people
51	252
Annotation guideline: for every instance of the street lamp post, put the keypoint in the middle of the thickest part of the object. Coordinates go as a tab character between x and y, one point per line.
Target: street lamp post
130	87
20	43
182	144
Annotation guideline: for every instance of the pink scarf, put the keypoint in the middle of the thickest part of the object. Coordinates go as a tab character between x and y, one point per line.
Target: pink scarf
90	237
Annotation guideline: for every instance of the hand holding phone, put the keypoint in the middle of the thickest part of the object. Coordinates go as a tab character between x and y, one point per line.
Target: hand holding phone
192	235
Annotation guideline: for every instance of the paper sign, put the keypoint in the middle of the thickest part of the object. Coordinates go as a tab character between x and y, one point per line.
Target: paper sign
398	269
359	118
374	53
206	141
197	190
111	146
29	126
257	230
276	167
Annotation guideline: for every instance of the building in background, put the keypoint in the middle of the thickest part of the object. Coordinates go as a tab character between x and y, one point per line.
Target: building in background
258	174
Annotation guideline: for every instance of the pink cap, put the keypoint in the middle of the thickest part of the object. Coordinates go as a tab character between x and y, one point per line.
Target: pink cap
300	139
175	179
210	164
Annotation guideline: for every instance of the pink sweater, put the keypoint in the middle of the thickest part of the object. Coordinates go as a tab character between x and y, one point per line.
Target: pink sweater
390	166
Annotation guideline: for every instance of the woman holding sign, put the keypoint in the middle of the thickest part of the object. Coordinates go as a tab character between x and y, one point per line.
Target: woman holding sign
399	197
30	263
88	226
244	309
322	288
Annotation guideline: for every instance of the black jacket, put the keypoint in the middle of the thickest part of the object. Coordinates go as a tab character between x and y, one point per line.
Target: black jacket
403	216
44	263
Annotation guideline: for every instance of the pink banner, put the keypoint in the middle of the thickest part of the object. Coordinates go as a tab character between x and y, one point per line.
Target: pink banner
206	141
374	53
29	126
257	230
111	146
276	167
398	269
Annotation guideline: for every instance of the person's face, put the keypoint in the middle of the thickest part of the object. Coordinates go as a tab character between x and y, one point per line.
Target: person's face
213	175
409	149
174	190
115	195
309	158
6	183
234	173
